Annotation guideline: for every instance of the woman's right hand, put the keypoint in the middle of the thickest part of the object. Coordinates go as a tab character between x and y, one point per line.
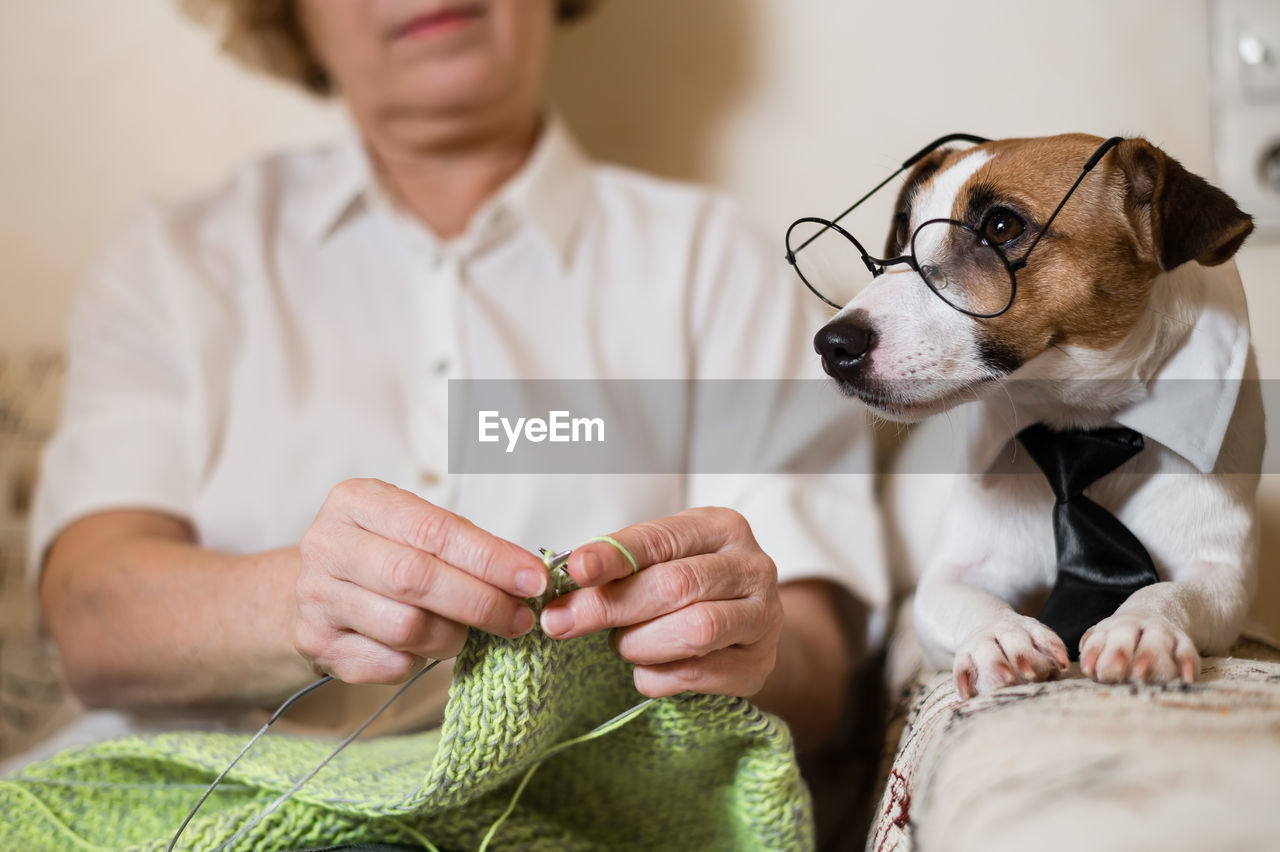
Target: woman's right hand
388	578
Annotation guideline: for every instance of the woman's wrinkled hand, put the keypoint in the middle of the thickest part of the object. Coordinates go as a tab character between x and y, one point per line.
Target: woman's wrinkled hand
702	613
387	578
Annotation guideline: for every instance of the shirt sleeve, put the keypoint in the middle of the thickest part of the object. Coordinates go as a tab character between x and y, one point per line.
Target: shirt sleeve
121	437
803	462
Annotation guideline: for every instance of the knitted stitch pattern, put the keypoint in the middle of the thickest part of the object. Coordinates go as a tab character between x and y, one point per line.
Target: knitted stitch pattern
692	772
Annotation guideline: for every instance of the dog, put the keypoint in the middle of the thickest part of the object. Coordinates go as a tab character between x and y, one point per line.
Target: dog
1126	310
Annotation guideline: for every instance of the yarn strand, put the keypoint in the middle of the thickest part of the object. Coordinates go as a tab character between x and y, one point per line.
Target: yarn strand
620	547
608	727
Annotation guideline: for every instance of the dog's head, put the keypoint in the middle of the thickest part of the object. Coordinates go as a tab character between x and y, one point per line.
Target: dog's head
907	353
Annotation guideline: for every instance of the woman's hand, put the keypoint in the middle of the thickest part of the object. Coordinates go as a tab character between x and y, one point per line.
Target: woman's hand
701	614
387	578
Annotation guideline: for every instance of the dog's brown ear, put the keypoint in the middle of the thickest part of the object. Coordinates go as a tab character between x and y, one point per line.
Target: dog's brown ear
1185	216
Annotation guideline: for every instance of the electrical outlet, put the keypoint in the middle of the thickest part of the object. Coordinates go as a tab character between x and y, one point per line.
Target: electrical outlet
1245	46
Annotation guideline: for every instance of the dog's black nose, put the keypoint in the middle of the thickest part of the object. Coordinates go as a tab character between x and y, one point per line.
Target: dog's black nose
843	345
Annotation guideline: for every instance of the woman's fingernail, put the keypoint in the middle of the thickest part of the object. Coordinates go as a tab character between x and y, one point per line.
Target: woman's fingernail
590	567
523	622
557	620
531	583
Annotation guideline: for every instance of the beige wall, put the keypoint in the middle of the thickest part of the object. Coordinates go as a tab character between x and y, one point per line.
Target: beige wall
105	103
788	104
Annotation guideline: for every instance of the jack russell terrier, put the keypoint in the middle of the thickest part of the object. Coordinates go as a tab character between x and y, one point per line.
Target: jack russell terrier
1084	285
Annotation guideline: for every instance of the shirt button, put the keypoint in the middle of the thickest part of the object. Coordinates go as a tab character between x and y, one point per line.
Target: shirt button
429	478
442	366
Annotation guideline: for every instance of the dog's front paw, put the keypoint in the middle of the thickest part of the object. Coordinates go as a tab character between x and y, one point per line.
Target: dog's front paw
1012	650
1140	649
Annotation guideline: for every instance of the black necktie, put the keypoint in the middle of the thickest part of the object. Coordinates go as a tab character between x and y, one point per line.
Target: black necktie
1100	563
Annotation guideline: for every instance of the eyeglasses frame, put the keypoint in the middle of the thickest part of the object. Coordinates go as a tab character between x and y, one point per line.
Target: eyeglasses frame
876	266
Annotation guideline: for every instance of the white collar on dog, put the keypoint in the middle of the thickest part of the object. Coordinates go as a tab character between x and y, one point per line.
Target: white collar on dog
1188	404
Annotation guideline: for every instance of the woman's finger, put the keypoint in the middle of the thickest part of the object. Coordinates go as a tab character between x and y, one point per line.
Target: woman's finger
392	513
654	592
398	626
688	533
695	631
417	578
739	670
352	657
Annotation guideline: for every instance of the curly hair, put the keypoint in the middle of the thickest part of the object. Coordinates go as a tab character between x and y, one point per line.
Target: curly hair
267	35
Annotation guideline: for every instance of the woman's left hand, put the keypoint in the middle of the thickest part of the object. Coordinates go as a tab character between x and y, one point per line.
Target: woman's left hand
702	613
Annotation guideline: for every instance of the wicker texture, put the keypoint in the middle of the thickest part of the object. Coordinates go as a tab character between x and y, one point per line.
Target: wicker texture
33	698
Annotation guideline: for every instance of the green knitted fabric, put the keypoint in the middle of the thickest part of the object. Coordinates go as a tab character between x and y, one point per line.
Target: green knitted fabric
692	772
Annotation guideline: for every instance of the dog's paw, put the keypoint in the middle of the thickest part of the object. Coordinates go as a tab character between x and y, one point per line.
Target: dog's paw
1012	650
1138	649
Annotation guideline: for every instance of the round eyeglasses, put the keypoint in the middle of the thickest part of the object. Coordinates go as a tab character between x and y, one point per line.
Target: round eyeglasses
964	265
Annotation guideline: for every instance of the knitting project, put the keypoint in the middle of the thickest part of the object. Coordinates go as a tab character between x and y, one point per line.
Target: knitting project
692	772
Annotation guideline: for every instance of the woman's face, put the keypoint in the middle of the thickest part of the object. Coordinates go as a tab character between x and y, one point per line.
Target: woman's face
432	58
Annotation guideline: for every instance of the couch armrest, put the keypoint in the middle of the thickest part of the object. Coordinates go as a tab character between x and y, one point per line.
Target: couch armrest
1073	764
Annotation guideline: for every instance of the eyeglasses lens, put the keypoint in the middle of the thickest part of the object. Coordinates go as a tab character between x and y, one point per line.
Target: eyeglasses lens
828	261
968	273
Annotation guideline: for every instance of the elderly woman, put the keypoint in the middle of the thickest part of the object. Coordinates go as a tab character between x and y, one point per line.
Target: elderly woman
252	366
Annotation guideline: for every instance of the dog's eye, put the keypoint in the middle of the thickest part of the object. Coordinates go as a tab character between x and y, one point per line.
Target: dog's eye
1000	227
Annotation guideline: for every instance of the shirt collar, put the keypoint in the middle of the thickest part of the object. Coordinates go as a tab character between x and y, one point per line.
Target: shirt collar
1186	406
549	193
340	186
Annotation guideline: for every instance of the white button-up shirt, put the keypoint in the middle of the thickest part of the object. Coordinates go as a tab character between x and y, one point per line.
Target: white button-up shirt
237	354
1185	407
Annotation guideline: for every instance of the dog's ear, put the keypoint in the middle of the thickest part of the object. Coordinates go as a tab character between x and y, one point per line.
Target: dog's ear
1184	216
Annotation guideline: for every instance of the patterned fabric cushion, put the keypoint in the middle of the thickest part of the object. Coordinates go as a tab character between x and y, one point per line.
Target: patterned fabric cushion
33	701
1073	764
